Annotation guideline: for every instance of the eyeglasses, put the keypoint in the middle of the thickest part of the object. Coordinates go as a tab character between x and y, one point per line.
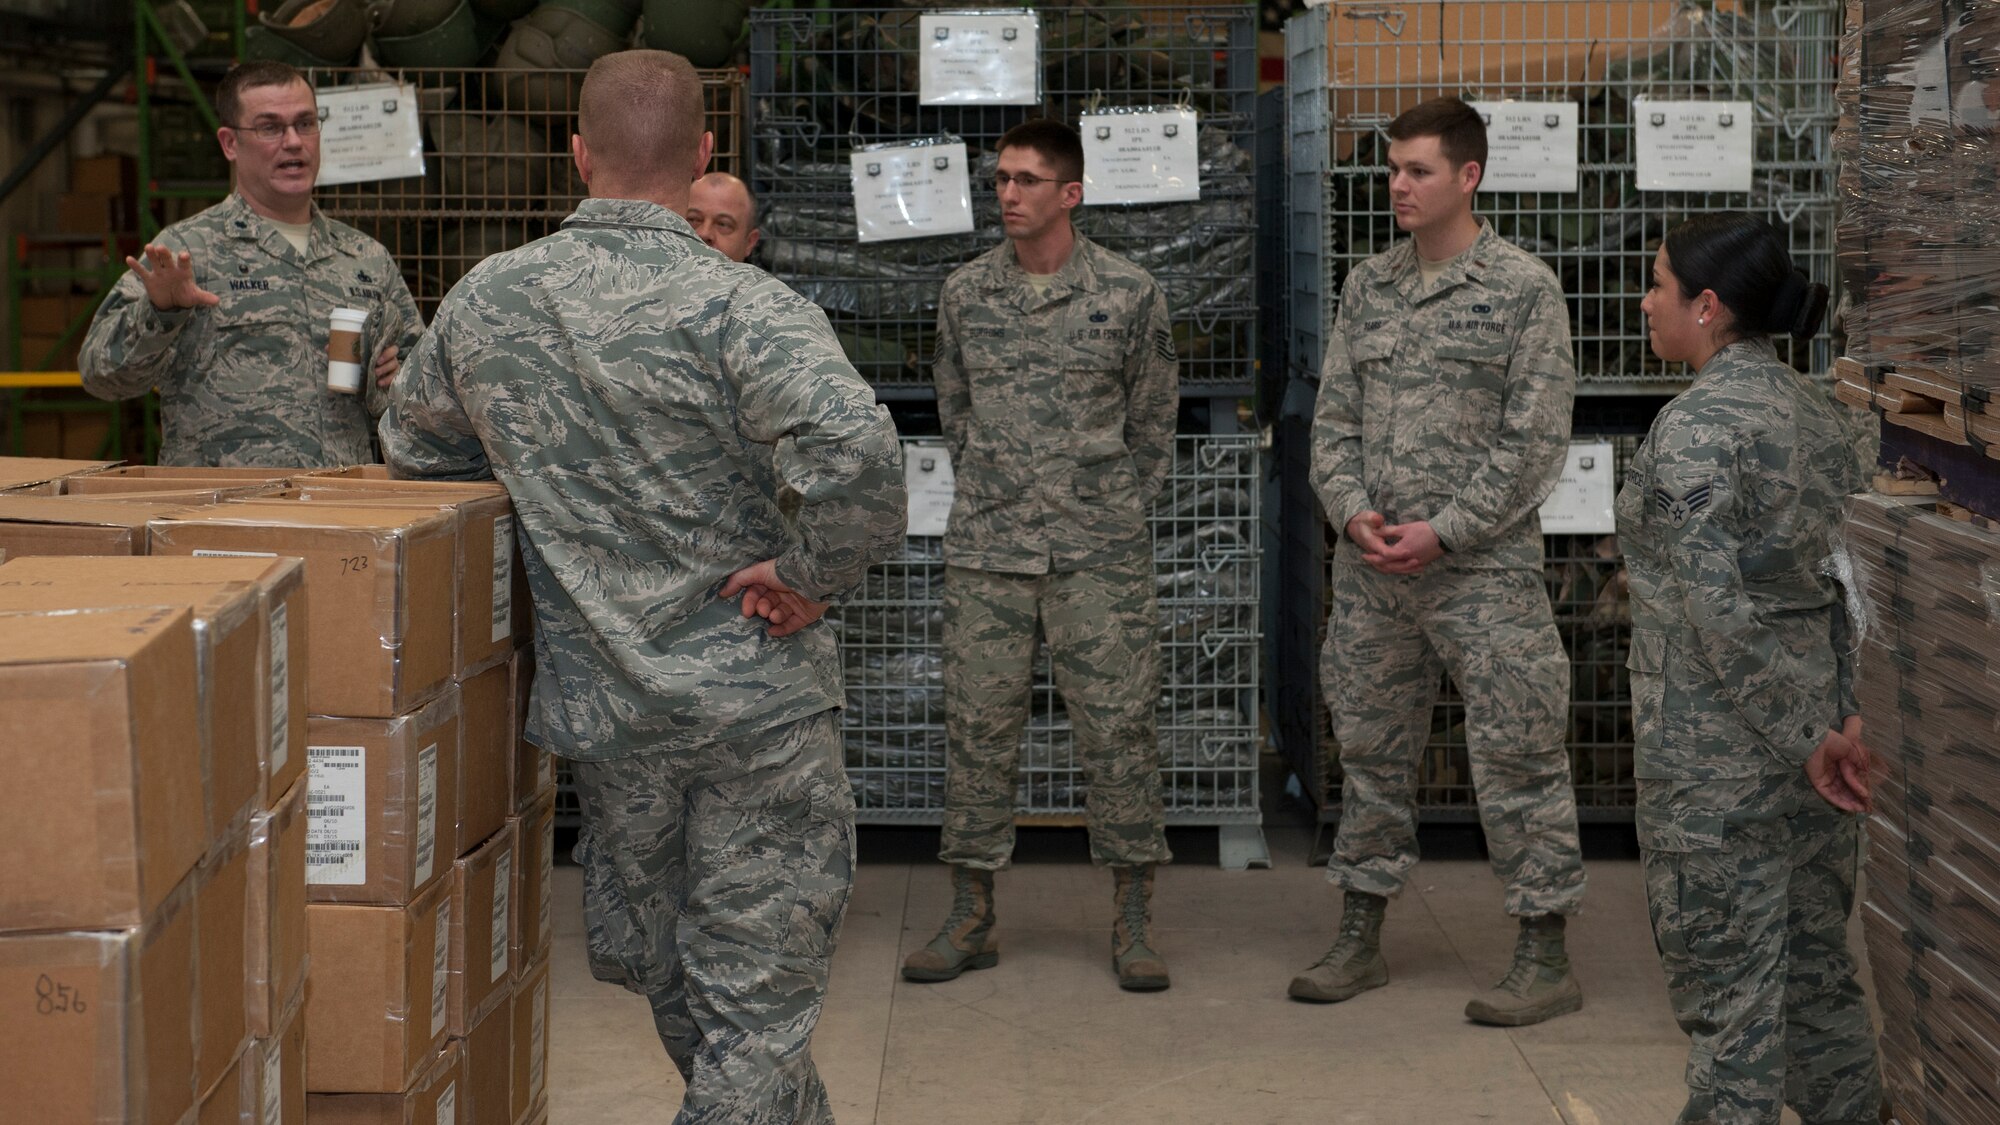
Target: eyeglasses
269	131
1027	181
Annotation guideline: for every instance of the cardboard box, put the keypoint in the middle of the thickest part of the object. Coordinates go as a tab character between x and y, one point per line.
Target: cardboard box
222	957
104	752
108	486
482	925
91	212
487	720
108	174
382	583
275	967
52	315
491	598
381	795
377	999
488	1094
275	1071
100	1026
230	656
46	525
278	720
237	474
227	1102
437	1098
531	1040
21	473
534	883
533	774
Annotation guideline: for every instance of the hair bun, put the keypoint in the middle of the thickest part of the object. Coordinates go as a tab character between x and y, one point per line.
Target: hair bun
1801	306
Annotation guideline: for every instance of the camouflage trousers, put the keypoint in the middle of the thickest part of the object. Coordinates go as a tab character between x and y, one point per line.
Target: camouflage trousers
1102	626
722	876
1750	882
1390	640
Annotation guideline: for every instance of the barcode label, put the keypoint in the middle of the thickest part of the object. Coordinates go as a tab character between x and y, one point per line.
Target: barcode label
274	1084
538	1042
281	687
447	1113
503	578
440	955
503	898
427	807
214	554
548	885
336	818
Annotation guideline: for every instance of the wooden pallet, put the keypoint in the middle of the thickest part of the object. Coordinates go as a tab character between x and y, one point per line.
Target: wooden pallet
1925	401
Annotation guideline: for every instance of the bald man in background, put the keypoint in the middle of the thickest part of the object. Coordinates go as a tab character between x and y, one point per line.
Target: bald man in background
723	213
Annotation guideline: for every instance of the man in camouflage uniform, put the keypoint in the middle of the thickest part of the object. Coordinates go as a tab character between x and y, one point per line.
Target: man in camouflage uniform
641	398
1743	703
227	312
1058	391
1442	424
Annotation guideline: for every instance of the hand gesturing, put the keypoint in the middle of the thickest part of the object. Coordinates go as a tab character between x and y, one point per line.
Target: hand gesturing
170	280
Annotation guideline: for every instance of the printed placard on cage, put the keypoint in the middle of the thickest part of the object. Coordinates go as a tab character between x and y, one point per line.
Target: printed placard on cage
1141	156
979	58
1530	146
503	577
503	898
281	686
337	815
440	959
911	191
1694	146
928	480
1584	499
427	808
369	133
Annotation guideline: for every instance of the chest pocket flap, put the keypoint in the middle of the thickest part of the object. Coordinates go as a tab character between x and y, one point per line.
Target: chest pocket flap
1373	346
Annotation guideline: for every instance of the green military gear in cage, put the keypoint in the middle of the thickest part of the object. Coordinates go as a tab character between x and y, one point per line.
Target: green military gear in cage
705	31
502	11
429	34
615	16
501	157
322	34
553	37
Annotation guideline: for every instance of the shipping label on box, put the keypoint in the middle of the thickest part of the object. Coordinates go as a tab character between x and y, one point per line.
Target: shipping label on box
383	804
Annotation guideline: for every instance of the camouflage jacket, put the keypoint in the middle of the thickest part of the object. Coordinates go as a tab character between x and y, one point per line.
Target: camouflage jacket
1741	654
1451	405
642	398
244	382
1058	410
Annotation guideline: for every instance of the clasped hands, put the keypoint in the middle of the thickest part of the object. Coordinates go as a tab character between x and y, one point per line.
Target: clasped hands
765	595
1401	549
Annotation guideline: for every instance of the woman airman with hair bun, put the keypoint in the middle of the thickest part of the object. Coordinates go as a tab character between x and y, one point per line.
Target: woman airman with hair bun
1750	765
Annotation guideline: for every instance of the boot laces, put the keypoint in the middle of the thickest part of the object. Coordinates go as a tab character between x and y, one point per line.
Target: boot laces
1527	966
1133	908
1348	942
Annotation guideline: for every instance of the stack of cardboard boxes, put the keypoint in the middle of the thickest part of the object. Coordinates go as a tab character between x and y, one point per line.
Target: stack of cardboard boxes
1930	694
156	905
422	829
1920	195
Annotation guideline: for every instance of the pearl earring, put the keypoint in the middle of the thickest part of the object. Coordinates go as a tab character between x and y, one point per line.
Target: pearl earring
1703	321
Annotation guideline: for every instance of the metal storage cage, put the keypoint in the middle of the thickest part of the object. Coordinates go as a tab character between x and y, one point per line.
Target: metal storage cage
497	170
1206	565
825	82
1350	69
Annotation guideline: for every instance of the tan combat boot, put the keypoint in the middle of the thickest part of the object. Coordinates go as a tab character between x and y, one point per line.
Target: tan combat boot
1538	986
1354	964
1139	969
966	941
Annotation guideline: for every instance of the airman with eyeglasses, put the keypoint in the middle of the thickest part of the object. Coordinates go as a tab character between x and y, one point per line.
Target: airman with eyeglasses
226	313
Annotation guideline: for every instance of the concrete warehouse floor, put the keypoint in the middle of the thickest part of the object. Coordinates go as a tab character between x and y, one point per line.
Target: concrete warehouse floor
1047	1037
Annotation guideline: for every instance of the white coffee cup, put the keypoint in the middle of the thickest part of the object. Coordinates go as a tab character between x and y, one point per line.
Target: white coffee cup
343	351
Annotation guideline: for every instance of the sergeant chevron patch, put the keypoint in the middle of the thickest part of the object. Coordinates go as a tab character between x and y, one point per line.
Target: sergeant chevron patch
1678	510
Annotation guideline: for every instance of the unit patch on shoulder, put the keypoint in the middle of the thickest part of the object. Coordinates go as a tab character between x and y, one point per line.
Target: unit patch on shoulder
1678	510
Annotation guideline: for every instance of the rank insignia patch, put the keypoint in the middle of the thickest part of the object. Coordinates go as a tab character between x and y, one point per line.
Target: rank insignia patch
1678	510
